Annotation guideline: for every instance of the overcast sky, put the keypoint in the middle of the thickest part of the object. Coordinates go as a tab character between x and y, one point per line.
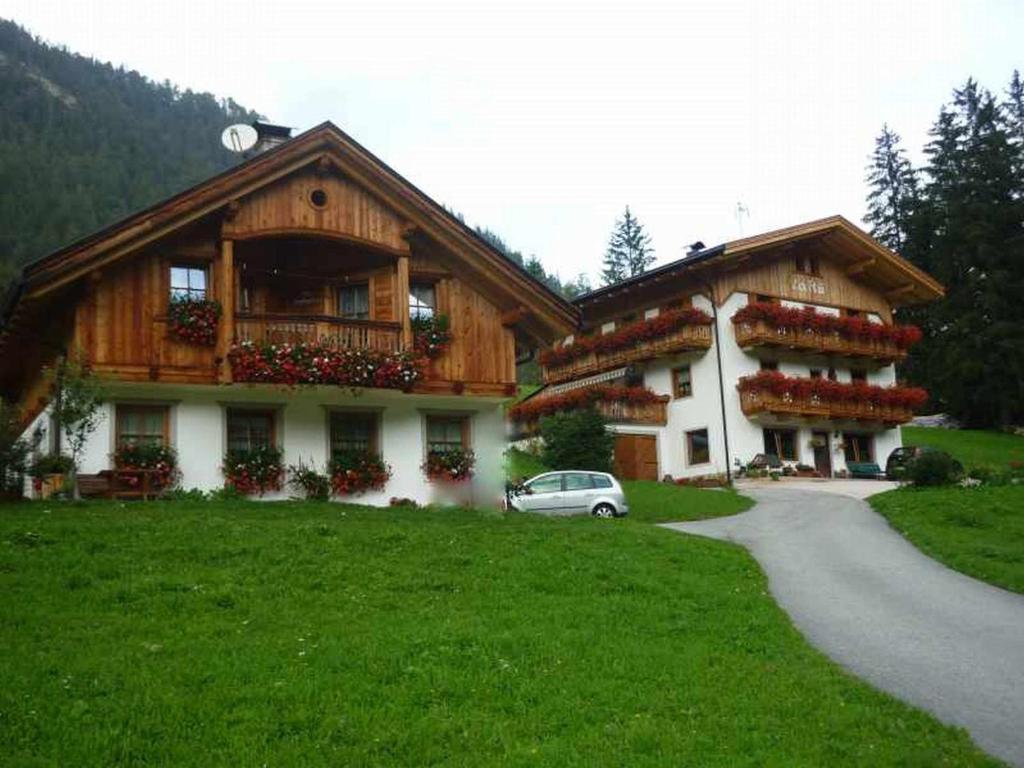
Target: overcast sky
544	120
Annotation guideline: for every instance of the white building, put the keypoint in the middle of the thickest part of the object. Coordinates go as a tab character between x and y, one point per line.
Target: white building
697	422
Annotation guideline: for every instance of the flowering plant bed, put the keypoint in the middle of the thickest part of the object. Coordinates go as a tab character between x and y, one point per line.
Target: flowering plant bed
626	337
809	319
452	466
194	320
353	472
584	397
160	460
254	471
314	363
431	335
797	388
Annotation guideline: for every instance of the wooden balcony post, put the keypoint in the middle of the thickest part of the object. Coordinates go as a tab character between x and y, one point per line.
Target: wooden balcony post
403	301
225	284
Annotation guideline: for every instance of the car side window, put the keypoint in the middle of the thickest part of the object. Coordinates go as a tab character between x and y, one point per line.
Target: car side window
578	482
549	484
600	481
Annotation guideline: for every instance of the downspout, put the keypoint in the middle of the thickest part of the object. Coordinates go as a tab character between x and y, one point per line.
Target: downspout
721	383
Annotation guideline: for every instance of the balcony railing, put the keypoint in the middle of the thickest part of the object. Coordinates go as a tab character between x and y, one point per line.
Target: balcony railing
751	334
649	411
756	403
329	331
688	337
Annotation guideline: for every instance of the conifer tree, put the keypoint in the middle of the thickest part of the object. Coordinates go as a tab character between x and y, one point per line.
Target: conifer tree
629	250
893	191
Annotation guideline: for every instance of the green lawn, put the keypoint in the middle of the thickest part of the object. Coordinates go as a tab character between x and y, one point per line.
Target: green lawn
304	634
973	447
979	531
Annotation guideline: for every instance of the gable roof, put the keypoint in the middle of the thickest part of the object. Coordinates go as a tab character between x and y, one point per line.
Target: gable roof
849	241
550	313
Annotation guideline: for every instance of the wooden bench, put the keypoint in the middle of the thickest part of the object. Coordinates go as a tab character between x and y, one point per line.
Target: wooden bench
120	484
865	469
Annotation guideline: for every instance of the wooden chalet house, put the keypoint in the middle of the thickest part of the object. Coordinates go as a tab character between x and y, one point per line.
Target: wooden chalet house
782	344
309	301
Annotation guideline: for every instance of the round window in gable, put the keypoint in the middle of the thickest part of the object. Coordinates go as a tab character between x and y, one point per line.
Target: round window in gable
318	198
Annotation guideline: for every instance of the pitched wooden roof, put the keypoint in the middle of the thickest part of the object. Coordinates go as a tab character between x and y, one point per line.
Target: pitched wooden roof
547	312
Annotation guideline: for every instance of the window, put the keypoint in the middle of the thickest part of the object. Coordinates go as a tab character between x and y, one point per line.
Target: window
353	431
447	433
576	481
698	450
249	430
781	443
422	300
354	302
853	313
600	481
769	365
142	425
188	282
807	264
857	448
682	386
763	298
546	484
832	374
858	375
815	373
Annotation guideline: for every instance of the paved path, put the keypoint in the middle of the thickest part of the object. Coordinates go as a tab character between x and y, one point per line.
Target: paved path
870	600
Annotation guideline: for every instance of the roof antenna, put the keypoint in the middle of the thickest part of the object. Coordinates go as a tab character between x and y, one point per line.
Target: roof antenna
741	211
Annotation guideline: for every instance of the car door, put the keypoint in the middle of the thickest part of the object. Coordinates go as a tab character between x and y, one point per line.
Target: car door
577	493
543	494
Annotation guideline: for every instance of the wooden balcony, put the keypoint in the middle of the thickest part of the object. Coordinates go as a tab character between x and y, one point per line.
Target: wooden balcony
654	414
758	333
333	332
759	404
688	337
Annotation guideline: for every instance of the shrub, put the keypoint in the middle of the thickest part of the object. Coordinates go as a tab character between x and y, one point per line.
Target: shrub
934	468
577	440
49	464
13	450
315	485
254	471
353	472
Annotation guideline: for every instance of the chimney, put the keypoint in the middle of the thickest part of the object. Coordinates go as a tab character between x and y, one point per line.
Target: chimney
696	247
269	136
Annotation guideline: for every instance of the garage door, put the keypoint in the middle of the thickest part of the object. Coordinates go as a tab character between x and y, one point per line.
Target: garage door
636	457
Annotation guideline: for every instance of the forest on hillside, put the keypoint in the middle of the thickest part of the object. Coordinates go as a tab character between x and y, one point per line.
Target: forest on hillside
84	143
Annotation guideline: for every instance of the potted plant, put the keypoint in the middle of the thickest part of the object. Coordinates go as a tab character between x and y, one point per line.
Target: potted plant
353	472
49	472
257	470
194	321
316	486
452	466
159	461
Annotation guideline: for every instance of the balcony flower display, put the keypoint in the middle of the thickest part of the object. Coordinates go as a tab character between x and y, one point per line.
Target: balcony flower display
353	472
160	460
431	335
193	321
314	363
254	471
828	391
451	466
809	319
575	399
627	337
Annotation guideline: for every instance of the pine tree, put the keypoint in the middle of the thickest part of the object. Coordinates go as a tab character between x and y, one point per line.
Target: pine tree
629	250
893	194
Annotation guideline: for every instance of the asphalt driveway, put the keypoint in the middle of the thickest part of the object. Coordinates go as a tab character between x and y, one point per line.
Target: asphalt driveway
871	601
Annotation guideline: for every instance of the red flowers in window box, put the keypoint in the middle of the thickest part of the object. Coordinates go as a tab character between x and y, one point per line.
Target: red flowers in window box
312	363
796	387
193	320
160	460
431	335
627	337
254	471
451	466
576	399
354	472
809	319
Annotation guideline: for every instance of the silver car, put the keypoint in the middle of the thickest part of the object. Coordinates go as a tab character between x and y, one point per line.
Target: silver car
571	493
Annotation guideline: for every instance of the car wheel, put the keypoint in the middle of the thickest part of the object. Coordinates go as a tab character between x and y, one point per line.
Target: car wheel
604	510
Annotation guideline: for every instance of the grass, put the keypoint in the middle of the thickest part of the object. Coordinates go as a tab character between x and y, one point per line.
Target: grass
651	502
978	531
972	447
304	634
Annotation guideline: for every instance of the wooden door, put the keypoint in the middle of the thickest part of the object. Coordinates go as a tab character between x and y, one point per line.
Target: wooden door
822	456
636	457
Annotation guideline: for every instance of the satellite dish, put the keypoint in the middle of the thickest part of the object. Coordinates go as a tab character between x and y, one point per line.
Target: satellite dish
239	137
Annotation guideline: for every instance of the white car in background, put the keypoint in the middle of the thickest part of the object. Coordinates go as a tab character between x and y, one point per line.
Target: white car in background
570	493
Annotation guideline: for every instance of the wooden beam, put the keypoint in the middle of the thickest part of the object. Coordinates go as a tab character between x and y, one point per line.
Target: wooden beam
858	267
225	286
402	294
902	290
513	316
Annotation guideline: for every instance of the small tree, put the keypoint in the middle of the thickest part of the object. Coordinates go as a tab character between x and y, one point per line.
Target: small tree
629	250
13	450
77	397
577	440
